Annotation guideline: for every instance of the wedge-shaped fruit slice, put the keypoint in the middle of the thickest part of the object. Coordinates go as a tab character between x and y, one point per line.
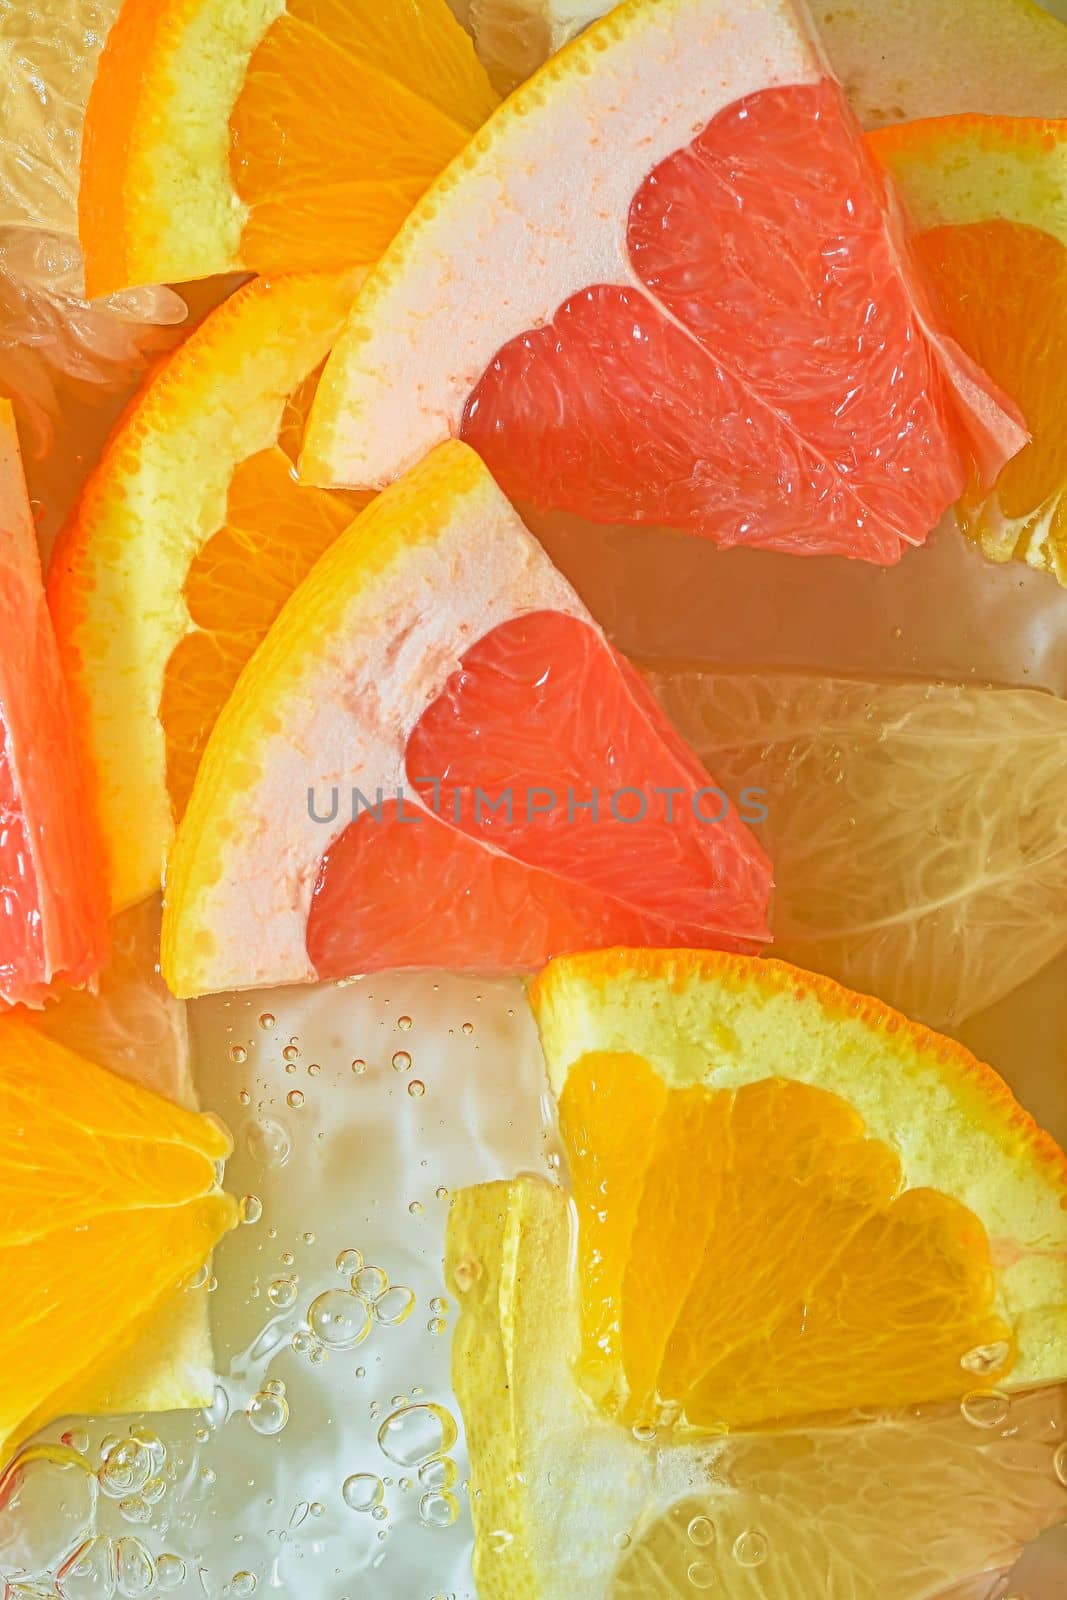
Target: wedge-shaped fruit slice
791	1200
708	316
991	193
428	761
187	538
53	905
108	1199
274	135
894	1505
917	829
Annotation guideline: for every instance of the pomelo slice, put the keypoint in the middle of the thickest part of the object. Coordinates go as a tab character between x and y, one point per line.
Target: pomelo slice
912	1504
272	135
108	1199
407	771
826	1206
991	195
150	582
53	906
708	317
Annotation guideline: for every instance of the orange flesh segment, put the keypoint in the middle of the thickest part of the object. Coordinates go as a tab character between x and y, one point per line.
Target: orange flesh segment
108	1198
275	530
776	1268
1003	287
768	378
541	709
347	113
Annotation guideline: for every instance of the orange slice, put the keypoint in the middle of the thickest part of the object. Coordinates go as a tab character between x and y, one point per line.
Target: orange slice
991	193
436	756
150	583
108	1199
721	257
905	1504
52	900
791	1201
228	134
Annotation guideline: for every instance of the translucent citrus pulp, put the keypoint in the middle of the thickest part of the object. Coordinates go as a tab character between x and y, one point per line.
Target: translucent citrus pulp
109	1200
917	829
52	901
888	1505
991	193
769	372
832	1207
150	583
436	756
277	135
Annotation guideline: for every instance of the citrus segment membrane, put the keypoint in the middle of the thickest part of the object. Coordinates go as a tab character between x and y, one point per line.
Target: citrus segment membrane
768	368
917	829
52	899
882	1505
420	744
150	583
108	1198
907	1201
272	136
774	1266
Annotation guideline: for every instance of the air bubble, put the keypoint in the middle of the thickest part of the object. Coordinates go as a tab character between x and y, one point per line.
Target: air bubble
439	1472
369	1282
290	1053
268	1143
126	1469
1059	1463
135	1571
251	1208
362	1491
413	1434
401	1060
750	1548
643	1432
267	1413
170	1572
700	1575
403	1023
415	1208
437	1325
349	1262
468	1028
295	1099
438	1509
266	1020
985	1408
416	1088
300	1343
282	1293
438	1305
243	1584
701	1531
359	1067
313	1069
395	1305
238	1053
339	1319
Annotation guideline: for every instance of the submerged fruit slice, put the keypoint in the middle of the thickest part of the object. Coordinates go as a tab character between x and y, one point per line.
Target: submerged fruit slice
188	537
52	900
108	1199
917	829
435	757
721	257
827	1206
992	194
895	1505
229	134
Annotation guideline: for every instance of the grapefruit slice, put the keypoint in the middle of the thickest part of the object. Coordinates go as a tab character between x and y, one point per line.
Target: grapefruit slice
721	256
53	907
149	584
108	1199
429	760
990	194
830	1207
906	1504
230	134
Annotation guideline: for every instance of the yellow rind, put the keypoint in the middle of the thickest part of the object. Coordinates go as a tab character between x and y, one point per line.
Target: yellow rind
970	168
159	492
723	1020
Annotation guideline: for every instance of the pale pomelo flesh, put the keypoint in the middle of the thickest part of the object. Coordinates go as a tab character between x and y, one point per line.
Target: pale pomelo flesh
571	806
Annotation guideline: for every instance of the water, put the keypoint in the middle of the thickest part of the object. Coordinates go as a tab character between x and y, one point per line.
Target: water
303	1474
